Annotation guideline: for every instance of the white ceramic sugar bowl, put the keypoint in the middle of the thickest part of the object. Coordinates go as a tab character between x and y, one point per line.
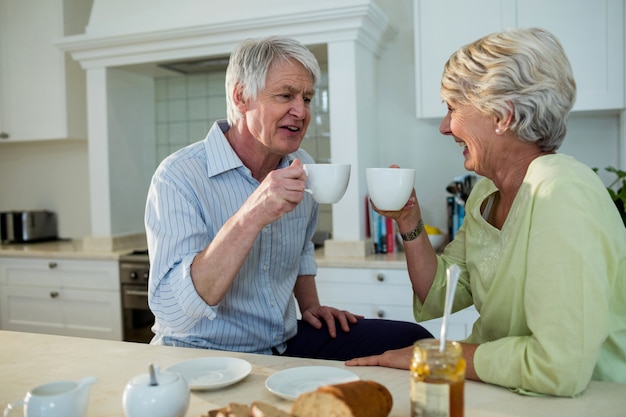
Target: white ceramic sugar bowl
168	398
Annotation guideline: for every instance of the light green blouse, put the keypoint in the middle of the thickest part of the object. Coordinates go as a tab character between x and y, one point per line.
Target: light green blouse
550	286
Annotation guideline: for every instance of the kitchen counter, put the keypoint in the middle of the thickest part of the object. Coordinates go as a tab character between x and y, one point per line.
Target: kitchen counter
66	249
27	360
376	261
76	249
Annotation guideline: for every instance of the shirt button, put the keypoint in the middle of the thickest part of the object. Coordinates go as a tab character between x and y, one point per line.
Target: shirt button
265	267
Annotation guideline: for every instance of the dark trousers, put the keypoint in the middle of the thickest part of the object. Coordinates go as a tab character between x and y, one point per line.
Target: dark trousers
365	338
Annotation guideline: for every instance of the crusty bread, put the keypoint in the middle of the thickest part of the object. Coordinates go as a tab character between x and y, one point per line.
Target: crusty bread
351	399
233	410
260	409
218	412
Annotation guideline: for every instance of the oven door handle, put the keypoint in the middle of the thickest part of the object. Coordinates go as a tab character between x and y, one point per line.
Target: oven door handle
137	292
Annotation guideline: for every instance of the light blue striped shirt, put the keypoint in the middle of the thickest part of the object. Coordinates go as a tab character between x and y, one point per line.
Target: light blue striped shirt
193	193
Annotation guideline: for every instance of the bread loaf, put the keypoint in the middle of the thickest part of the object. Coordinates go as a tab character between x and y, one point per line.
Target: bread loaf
261	409
233	410
351	399
256	409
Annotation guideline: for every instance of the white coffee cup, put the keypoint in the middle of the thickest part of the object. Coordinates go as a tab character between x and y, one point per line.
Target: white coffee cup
327	183
390	188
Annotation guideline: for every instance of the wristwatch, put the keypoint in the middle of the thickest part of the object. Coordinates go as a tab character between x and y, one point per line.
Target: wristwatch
413	234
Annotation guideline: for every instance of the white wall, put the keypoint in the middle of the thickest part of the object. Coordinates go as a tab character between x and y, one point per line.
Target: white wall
132	148
51	176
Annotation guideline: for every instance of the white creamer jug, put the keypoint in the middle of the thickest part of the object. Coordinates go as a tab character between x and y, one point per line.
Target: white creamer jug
162	394
56	399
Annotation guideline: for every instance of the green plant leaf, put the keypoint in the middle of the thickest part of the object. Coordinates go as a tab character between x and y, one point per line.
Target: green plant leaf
620	174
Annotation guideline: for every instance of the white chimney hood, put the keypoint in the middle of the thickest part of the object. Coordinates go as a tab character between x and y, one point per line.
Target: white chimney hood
136	33
126	32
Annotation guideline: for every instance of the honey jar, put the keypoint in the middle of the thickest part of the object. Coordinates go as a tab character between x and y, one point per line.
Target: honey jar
437	379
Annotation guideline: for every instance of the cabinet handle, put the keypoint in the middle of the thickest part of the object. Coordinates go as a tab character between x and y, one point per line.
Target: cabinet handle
380	277
380	314
52	265
4	135
54	294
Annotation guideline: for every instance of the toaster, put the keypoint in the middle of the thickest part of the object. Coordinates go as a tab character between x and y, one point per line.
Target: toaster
28	226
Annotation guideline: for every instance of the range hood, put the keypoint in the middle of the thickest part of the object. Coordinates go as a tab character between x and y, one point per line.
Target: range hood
142	35
140	32
197	66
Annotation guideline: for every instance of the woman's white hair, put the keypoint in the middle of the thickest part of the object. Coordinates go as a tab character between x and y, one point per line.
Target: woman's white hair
524	72
250	61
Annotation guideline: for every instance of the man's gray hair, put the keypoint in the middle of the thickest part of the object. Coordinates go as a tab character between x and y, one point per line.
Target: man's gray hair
250	61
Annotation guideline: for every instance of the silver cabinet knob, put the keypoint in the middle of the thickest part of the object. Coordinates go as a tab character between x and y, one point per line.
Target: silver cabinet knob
54	294
52	265
380	277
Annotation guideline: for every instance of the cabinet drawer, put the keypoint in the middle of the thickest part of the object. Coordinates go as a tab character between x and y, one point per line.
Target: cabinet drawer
66	312
363	276
62	273
331	293
382	311
364	286
383	293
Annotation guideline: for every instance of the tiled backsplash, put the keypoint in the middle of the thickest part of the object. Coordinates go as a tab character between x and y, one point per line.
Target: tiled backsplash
187	106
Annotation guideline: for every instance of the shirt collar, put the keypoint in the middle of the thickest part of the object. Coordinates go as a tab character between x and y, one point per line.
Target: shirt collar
221	156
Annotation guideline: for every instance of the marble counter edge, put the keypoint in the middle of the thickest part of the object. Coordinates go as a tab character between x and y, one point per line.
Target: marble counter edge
75	249
375	261
66	249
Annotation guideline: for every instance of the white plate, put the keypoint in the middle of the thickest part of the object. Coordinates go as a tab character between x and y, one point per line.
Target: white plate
212	372
290	383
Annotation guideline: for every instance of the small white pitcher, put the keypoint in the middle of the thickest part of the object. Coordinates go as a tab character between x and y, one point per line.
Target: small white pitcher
55	399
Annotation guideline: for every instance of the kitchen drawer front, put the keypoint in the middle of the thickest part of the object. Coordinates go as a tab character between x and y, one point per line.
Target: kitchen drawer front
385	294
364	276
67	312
382	293
65	273
382	311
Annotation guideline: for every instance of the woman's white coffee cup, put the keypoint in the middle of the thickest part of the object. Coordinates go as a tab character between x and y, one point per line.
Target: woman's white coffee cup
390	188
327	183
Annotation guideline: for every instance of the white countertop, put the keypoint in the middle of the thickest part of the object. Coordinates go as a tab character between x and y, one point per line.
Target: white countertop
386	261
76	249
27	360
67	249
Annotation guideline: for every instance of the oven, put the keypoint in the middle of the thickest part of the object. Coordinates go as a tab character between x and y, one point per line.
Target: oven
137	319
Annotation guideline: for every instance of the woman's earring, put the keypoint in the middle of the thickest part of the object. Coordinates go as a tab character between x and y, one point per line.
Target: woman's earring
498	131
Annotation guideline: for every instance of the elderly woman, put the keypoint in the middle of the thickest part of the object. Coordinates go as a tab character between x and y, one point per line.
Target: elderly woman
542	249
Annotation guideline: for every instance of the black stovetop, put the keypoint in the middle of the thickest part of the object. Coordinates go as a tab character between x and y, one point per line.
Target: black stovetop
139	255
